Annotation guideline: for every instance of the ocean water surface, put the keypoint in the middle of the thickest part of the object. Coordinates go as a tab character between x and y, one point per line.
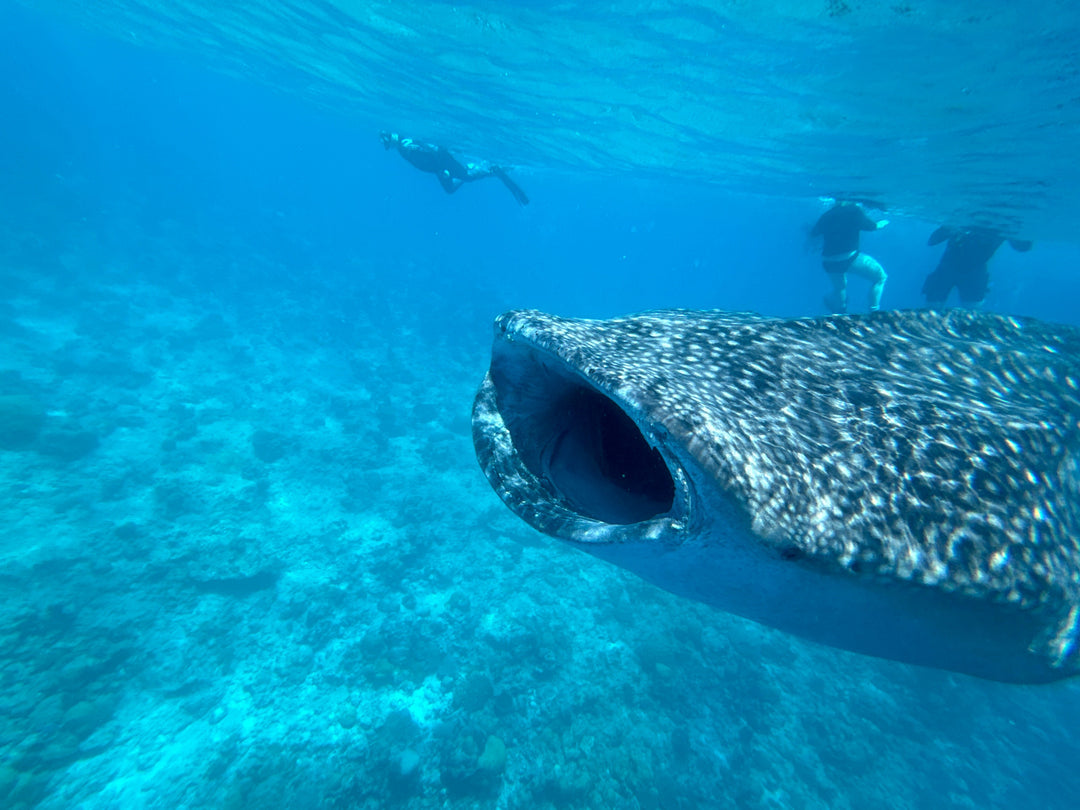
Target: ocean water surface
248	558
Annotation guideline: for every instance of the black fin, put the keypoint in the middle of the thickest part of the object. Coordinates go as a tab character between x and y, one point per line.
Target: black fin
515	189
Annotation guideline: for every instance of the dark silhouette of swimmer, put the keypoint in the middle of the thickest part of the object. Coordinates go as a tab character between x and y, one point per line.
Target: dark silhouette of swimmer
964	264
451	173
839	228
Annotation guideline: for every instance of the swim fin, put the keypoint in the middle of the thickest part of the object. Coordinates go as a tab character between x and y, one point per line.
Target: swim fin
515	189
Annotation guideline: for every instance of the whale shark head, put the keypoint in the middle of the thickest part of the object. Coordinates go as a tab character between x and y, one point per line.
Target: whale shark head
902	485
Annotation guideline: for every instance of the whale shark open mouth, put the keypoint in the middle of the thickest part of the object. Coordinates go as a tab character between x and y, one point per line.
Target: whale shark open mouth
589	470
582	444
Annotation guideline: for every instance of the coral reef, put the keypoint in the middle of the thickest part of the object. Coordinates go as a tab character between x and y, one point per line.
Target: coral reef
251	563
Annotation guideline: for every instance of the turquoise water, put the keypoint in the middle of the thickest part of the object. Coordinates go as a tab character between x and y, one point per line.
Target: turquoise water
951	109
248	558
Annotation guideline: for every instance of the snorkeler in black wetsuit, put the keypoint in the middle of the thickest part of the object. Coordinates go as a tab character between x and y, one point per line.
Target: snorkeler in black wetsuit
839	228
964	264
451	173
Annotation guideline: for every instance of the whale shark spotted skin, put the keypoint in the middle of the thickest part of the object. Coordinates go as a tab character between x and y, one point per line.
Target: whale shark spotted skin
904	485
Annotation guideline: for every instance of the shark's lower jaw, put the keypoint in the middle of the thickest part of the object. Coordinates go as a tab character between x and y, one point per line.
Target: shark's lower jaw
570	459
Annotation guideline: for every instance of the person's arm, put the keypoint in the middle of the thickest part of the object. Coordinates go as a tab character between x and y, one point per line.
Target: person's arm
1023	245
868	224
940	235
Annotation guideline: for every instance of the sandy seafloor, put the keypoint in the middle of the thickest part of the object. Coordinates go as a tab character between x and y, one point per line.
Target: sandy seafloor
248	561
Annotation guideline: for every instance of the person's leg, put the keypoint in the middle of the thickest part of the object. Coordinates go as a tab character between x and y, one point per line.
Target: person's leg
452	167
474	171
836	300
449	184
937	286
972	286
867	267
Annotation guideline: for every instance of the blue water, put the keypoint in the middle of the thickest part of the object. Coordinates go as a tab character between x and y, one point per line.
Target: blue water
248	559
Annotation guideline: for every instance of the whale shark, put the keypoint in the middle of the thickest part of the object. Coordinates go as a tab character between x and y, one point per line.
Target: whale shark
903	484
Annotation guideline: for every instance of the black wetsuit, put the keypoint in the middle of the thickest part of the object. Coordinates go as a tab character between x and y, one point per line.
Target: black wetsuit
840	227
437	160
451	173
964	263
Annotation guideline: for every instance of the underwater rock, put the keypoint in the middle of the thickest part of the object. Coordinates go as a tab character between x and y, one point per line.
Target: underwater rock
398	731
126	531
460	771
211	328
239	586
404	774
458	603
494	757
390	603
21	419
680	744
68	445
175	498
408	762
269	446
474	693
346	716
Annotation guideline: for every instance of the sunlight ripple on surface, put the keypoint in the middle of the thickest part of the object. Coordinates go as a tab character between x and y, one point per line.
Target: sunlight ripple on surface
952	111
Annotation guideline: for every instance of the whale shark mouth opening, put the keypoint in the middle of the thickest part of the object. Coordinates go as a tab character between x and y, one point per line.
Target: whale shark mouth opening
577	441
